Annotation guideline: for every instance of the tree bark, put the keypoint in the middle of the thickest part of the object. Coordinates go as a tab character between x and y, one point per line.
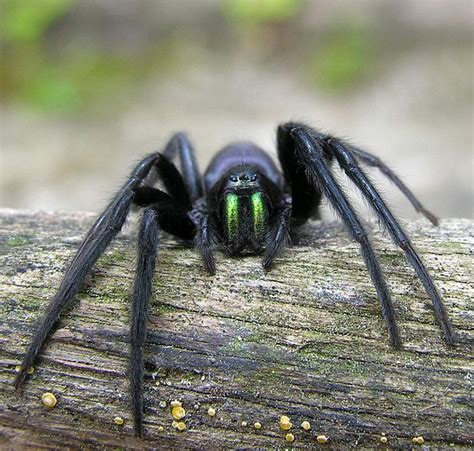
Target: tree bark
305	340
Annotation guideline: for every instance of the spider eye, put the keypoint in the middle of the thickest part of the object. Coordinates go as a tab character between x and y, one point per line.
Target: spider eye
233	178
253	178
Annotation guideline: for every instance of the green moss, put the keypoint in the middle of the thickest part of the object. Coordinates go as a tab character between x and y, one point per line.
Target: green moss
161	308
18	240
115	256
235	345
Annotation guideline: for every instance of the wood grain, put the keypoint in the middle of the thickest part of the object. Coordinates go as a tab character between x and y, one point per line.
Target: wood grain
305	340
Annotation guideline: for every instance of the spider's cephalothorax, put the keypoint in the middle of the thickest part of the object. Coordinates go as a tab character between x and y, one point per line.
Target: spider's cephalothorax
243	188
243	204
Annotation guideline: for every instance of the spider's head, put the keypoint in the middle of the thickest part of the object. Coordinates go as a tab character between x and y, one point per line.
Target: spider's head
243	209
242	181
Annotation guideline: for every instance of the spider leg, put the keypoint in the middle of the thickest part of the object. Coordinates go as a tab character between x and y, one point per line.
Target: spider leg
279	235
162	212
148	240
173	181
305	195
349	164
106	227
303	146
374	161
174	215
180	144
203	240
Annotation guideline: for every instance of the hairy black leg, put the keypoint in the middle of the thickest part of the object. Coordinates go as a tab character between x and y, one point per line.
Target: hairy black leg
279	237
180	144
312	157
349	164
174	215
173	181
148	239
96	241
374	161
203	241
306	197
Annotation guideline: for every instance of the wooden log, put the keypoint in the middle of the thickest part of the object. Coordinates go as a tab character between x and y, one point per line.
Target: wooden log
305	340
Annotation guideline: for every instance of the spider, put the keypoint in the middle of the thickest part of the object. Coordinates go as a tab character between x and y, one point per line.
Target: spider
244	204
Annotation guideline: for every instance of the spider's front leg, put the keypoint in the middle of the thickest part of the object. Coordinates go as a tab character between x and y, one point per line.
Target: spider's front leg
148	240
106	227
306	152
350	166
167	211
306	168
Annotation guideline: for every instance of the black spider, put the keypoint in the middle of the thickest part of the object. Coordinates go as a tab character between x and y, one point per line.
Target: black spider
244	204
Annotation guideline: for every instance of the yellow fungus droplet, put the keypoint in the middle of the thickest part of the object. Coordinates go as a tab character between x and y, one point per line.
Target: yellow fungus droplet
19	369
244	423
181	426
119	421
161	428
285	423
162	404
176	403
321	439
306	425
383	439
178	412
211	411
290	437
418	440
257	425
49	400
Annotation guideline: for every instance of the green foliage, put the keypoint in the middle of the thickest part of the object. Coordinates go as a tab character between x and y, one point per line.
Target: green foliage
26	73
346	57
255	12
28	20
49	90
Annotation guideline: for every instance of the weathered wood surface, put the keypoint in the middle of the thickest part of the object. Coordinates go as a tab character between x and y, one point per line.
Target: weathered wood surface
306	340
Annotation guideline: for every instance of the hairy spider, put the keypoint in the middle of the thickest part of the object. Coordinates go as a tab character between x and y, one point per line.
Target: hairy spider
243	203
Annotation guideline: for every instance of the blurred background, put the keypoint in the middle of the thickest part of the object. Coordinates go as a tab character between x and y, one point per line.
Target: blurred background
89	86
